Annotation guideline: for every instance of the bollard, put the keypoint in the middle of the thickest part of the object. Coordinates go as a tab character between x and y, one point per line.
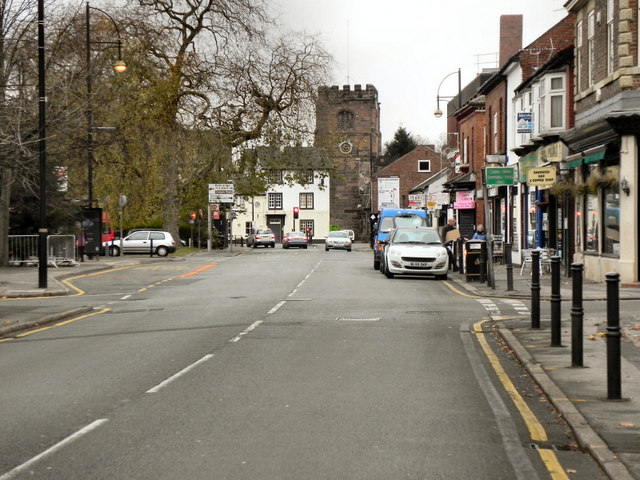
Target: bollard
151	248
507	258
614	391
535	289
577	316
556	303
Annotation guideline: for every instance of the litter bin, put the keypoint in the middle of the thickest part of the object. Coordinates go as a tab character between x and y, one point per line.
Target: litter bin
475	260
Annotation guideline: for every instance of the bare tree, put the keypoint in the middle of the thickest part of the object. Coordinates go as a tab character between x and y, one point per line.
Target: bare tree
221	72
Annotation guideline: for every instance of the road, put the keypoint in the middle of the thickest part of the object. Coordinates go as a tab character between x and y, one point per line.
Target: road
274	364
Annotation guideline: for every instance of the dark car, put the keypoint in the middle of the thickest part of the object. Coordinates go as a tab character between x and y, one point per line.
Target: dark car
294	239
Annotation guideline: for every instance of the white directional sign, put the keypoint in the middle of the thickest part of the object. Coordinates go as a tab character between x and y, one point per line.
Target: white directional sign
221	193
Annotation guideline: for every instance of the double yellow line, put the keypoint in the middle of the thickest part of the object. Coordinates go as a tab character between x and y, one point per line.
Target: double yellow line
536	430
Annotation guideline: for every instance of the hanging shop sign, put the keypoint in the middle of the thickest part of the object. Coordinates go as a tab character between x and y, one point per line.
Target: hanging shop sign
541	177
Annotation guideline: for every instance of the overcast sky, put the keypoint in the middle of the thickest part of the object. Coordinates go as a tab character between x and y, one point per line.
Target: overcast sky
405	48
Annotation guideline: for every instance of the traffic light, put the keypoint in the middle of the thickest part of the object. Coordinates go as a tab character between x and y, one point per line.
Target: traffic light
193	215
296	212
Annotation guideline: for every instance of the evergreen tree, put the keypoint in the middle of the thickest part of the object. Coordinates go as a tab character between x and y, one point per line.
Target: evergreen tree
403	142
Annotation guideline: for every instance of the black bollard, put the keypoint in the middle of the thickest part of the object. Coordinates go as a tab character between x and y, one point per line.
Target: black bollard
507	258
556	303
577	316
535	289
151	247
614	391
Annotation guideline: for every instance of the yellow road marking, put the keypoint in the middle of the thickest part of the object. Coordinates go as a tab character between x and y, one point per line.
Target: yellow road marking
553	465
63	323
536	430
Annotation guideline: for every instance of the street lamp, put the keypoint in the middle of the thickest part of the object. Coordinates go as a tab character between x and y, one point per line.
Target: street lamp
438	112
119	67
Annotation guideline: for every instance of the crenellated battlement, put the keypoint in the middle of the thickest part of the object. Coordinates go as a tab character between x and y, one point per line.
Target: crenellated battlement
345	93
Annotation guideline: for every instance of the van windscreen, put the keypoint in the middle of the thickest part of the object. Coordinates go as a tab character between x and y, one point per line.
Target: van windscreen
410	220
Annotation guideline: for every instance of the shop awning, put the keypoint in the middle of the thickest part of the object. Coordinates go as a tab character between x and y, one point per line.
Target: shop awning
588	156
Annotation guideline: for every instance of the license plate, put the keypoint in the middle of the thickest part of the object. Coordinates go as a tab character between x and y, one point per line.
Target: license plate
419	264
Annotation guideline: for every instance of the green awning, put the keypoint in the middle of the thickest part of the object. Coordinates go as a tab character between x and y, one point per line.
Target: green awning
585	159
527	162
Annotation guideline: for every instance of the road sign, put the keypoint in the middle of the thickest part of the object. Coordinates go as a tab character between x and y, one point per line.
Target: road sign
496	176
221	193
539	177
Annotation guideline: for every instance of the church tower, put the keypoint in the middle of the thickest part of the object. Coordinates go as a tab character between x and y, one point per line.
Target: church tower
348	128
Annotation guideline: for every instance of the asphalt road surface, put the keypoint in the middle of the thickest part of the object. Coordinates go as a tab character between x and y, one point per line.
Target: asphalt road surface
274	364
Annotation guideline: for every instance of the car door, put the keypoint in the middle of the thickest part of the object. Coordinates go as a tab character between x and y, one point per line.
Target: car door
137	242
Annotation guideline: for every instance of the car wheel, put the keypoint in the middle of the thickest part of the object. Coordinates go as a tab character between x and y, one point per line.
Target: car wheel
273	245
253	245
162	251
305	247
114	251
388	274
326	249
348	249
442	277
376	264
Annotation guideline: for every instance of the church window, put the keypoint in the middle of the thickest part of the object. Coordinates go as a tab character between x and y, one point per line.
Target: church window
346	120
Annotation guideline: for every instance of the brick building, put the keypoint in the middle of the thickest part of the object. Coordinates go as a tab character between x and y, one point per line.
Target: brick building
412	169
348	129
604	146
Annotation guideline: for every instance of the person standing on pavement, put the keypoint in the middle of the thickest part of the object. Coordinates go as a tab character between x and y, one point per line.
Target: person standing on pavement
451	225
480	233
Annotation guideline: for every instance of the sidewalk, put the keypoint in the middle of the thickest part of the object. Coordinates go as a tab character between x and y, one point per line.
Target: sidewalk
609	430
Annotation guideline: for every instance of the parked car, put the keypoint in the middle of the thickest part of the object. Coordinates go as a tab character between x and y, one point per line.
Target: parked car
294	239
337	240
352	235
414	251
390	218
261	236
143	241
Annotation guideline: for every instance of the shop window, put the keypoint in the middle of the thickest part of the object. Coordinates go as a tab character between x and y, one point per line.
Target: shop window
611	197
591	223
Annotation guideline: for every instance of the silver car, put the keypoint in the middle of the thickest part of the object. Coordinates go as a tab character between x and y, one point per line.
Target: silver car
337	240
261	236
143	241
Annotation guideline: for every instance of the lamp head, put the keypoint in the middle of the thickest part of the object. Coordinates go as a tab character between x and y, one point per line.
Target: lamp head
120	66
437	113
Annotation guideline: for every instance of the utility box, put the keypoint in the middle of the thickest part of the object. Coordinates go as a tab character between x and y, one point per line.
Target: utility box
475	260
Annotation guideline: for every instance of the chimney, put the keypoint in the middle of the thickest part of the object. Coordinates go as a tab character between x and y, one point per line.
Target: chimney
510	37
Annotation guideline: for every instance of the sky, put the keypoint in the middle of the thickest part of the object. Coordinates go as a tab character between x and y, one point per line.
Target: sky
406	48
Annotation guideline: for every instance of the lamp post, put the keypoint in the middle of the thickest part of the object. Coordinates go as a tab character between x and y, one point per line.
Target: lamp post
119	67
438	112
42	151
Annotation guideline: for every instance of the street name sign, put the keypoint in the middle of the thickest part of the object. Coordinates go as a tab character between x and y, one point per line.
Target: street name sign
497	176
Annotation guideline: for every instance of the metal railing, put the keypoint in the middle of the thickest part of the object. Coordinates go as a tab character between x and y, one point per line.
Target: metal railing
61	250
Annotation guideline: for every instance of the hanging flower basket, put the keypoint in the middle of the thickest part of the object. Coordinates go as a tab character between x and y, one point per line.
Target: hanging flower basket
598	180
563	188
